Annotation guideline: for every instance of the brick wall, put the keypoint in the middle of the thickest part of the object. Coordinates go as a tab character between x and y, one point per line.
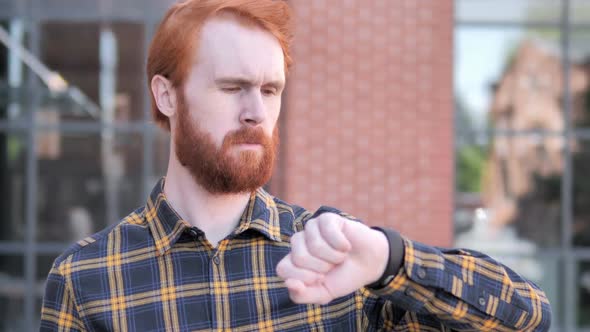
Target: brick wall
367	122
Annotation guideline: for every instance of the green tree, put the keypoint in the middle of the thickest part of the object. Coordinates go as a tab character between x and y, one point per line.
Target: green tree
470	157
471	161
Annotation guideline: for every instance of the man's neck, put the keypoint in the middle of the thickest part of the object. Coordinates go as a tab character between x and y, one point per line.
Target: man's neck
216	215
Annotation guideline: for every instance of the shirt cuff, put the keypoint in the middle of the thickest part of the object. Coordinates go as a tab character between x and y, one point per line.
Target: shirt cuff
411	287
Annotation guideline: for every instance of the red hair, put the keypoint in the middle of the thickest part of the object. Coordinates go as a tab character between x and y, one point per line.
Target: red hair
174	42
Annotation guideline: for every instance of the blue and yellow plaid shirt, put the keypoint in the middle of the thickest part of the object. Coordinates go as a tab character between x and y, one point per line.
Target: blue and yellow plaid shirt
154	272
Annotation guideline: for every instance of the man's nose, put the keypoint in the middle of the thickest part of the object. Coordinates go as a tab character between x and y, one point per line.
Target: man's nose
254	111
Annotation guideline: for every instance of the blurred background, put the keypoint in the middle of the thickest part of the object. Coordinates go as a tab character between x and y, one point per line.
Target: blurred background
460	123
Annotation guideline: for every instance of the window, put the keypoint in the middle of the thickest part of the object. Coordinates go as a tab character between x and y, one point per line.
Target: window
522	83
76	156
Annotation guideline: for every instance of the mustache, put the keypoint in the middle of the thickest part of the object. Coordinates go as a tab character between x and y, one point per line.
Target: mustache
246	135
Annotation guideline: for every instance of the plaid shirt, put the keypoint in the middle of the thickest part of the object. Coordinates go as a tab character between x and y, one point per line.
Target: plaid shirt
154	272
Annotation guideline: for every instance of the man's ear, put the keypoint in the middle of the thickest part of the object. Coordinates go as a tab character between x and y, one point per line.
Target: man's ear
164	95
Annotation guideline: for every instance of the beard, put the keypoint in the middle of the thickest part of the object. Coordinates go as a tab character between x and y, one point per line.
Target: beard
218	170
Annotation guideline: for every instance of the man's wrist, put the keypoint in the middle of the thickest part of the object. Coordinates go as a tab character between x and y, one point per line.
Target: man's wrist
395	259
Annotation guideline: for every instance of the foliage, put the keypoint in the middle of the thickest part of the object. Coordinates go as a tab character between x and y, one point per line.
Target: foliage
471	160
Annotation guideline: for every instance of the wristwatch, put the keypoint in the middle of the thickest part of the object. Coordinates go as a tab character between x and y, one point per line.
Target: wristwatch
396	257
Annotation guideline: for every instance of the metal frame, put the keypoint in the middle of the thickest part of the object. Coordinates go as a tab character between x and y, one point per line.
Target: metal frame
85	10
569	310
29	247
569	255
30	192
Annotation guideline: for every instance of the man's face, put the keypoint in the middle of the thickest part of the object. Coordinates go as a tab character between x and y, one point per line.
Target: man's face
225	132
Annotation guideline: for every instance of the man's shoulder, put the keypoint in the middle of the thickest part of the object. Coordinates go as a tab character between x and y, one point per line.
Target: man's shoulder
291	211
94	246
293	217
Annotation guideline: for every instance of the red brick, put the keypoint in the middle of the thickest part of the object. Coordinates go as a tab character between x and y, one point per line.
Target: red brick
367	124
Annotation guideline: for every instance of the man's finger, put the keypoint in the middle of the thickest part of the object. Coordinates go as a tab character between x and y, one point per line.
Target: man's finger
302	258
287	270
319	247
295	286
332	232
301	293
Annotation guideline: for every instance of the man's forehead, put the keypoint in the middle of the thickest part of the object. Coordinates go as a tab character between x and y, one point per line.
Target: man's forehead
228	47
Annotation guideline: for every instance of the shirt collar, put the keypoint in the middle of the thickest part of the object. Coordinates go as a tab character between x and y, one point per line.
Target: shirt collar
165	224
261	215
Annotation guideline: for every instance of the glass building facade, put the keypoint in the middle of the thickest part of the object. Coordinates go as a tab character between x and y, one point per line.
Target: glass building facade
522	143
78	150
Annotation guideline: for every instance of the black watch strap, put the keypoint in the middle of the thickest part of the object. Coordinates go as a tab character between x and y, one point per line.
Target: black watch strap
396	257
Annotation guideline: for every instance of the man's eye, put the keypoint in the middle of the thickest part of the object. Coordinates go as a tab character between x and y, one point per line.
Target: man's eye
269	92
231	89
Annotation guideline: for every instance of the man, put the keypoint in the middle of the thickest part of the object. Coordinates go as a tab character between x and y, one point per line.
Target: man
211	250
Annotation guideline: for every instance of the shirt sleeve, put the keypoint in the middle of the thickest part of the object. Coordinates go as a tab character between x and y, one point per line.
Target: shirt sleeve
59	311
461	290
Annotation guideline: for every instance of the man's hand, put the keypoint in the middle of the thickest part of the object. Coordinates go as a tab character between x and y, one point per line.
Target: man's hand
332	257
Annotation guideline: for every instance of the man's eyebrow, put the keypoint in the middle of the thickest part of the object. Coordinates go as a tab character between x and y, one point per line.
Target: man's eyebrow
246	82
275	84
234	80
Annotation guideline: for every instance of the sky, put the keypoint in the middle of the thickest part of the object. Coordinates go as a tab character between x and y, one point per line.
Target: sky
480	53
480	57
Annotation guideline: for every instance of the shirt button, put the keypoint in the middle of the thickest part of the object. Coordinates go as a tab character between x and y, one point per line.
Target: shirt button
482	301
216	260
421	273
410	291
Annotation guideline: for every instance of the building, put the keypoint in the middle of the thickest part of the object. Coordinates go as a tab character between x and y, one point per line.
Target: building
456	122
